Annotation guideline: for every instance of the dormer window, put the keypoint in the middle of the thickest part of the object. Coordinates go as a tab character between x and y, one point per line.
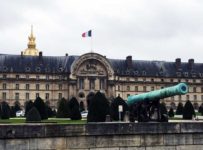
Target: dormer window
5	68
4	76
27	69
38	69
144	73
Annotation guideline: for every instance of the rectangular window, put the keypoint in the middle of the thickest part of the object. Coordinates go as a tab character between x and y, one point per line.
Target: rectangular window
4	76
187	97
179	97
27	86
46	96
60	86
37	95
202	97
17	77
4	95
102	84
60	96
128	88
4	86
27	76
202	89
37	77
47	77
81	83
136	88
144	88
92	84
17	86
16	96
27	96
195	97
118	87
152	88
37	86
47	87
194	89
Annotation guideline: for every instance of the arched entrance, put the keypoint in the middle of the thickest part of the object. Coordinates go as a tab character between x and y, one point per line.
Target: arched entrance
92	72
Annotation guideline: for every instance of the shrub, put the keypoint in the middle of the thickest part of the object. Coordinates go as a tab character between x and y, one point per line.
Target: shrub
40	106
179	110
16	106
98	108
163	109
28	105
33	115
74	109
50	113
196	105
89	99
82	107
114	108
171	113
5	110
12	112
63	109
200	110
188	111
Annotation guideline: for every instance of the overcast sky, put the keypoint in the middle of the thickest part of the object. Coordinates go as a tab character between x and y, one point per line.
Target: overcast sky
145	29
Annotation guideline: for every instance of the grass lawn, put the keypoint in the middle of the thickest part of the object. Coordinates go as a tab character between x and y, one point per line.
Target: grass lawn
50	120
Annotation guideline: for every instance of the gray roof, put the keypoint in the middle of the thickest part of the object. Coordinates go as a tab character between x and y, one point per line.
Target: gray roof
62	64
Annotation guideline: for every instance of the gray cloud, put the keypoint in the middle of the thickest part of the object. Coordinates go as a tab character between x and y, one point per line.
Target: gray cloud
161	30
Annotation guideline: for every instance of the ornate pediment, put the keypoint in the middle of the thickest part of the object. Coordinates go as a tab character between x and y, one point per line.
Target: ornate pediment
92	64
92	67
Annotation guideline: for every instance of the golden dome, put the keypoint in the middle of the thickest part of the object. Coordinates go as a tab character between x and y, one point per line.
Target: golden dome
31	50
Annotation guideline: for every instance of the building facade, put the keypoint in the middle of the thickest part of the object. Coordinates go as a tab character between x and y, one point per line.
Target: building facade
29	75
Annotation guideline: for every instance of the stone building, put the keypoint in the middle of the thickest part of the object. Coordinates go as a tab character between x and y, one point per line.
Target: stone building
29	75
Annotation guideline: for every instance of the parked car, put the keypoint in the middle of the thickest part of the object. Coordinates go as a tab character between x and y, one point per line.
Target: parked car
20	113
84	114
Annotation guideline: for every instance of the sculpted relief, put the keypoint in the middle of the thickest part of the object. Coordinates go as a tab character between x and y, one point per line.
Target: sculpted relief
92	67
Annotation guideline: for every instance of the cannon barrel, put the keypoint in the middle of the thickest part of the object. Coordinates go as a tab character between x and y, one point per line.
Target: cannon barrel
178	89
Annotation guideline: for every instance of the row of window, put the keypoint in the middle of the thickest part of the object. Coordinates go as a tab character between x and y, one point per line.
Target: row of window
92	84
152	88
27	96
164	80
60	77
27	86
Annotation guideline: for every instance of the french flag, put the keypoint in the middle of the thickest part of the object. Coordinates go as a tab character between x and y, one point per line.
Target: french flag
87	34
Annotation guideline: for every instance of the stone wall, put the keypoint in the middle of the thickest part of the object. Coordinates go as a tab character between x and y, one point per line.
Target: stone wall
115	136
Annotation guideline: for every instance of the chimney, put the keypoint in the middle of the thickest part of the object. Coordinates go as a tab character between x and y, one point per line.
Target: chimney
66	54
40	54
178	63
21	53
129	62
190	63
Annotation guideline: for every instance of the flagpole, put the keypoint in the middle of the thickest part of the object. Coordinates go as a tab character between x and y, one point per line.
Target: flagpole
91	44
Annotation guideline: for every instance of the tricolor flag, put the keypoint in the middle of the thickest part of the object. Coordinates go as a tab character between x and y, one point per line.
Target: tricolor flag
87	34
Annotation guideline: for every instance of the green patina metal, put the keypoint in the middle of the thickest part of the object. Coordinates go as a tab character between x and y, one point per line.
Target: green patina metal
178	89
